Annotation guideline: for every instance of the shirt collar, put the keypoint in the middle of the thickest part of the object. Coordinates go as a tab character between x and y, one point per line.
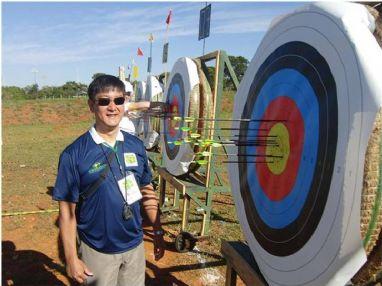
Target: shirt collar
99	140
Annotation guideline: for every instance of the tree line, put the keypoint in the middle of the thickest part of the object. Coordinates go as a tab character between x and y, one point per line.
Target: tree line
68	90
74	89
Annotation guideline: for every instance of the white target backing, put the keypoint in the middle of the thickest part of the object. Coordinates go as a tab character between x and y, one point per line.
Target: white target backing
150	133
313	83
182	94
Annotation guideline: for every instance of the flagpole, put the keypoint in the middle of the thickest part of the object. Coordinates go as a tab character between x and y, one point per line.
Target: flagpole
204	39
165	65
151	51
131	68
168	20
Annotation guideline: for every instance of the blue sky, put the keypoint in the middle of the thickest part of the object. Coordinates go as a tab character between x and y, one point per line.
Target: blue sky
70	41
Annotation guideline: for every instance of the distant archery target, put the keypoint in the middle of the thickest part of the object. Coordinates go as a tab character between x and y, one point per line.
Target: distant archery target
304	90
182	95
139	96
141	91
150	134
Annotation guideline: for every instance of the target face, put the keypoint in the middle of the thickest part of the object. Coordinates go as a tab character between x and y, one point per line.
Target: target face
182	95
303	97
176	100
282	199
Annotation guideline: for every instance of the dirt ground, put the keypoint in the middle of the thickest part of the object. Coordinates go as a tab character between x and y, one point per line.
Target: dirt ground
30	246
31	256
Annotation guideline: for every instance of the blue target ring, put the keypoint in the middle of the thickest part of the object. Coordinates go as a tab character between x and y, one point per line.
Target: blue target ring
293	84
296	71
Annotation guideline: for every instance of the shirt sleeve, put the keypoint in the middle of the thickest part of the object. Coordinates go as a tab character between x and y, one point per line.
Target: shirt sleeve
67	182
146	174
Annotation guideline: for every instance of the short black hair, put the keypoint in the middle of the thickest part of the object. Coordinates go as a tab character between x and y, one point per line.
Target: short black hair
104	83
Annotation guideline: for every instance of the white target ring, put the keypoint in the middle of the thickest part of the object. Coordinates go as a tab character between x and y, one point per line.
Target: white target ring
301	235
182	95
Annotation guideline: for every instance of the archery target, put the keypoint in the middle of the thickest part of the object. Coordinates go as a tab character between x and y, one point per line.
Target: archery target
150	134
139	96
311	92
141	91
203	127
182	95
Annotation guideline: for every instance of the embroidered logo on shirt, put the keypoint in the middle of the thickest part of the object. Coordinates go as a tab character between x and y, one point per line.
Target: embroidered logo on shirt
130	160
97	167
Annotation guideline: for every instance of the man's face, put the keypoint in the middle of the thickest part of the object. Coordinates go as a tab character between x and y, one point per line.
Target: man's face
108	116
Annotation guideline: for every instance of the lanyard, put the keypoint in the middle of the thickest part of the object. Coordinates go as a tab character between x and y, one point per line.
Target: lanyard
122	169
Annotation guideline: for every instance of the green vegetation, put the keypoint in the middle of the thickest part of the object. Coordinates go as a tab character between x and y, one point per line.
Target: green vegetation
68	90
239	65
34	134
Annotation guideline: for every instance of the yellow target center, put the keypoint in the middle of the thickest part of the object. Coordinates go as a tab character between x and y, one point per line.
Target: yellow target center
277	156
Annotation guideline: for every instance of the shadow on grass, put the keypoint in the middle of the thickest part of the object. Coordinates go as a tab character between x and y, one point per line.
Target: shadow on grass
161	278
28	267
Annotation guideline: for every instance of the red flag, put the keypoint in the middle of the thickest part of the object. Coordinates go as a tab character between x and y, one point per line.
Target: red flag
168	19
139	52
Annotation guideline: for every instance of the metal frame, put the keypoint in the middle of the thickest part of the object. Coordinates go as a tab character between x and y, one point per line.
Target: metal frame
208	182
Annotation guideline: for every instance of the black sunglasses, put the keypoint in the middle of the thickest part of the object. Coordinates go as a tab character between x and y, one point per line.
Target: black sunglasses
106	101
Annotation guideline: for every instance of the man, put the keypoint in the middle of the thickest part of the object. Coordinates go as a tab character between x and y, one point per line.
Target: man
102	177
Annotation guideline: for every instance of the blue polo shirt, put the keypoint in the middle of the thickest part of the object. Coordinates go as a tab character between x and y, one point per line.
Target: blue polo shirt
99	218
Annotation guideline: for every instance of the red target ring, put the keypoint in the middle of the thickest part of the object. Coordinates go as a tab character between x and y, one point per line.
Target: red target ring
174	109
278	186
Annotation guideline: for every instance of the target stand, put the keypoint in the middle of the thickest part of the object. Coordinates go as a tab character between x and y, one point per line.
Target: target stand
240	261
199	186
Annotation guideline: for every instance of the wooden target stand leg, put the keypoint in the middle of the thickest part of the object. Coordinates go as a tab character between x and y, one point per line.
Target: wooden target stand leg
207	182
240	261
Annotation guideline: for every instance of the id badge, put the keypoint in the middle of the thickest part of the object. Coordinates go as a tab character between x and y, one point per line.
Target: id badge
129	188
130	159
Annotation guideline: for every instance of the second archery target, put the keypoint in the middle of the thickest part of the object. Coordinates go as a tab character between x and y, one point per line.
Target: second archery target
306	106
182	95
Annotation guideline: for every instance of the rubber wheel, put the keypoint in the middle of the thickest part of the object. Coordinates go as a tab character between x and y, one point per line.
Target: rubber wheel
184	242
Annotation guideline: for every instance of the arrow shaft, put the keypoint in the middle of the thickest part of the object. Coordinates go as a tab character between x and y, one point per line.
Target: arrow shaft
254	162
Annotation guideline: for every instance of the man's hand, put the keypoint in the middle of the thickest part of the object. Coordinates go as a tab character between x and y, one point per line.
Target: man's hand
77	270
158	245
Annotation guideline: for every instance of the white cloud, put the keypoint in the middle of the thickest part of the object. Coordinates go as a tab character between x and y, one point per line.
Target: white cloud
99	34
